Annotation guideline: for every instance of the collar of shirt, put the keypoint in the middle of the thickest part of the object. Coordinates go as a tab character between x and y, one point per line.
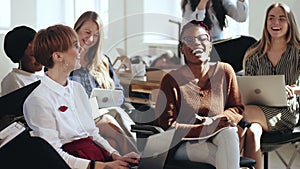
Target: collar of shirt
20	71
56	87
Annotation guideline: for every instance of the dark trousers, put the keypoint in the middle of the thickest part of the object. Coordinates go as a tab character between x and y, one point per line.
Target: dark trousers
25	151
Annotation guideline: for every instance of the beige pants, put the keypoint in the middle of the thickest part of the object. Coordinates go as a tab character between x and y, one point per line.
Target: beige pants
114	126
221	151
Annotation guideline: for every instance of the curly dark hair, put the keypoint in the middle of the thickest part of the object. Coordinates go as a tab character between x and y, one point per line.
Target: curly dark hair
194	23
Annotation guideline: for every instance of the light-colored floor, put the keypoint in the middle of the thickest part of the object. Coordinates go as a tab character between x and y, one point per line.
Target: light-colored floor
286	151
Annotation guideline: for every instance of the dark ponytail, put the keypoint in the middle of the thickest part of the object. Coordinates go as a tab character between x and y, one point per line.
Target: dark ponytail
217	7
220	13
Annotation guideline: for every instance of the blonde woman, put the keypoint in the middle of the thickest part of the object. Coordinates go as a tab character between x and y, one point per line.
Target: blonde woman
96	69
97	72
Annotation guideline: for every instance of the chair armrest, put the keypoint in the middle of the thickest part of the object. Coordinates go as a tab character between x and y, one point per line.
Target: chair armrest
146	129
247	162
143	131
244	123
128	107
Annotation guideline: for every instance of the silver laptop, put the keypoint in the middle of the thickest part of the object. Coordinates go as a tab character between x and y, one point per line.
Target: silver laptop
156	150
106	97
263	90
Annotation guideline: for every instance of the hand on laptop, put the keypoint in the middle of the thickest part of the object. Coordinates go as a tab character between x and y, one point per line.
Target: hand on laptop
131	158
290	90
112	164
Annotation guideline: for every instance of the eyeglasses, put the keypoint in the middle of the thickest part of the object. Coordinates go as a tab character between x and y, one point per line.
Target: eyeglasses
192	39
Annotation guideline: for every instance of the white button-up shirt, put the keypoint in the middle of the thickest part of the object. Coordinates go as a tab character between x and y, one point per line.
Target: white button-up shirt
45	116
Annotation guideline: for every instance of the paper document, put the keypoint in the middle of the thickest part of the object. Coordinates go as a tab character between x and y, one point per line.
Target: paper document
96	112
207	121
10	132
205	137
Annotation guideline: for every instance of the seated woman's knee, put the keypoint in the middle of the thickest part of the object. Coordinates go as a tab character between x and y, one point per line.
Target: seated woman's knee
228	133
254	131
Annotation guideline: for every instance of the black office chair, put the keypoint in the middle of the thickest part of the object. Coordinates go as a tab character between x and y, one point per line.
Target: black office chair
29	152
18	152
144	131
232	51
12	103
271	141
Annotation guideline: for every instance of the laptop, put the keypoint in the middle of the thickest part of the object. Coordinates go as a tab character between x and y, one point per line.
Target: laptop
156	150
263	90
106	97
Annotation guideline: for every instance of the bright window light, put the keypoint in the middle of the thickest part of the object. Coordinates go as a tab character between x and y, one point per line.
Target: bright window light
101	7
5	14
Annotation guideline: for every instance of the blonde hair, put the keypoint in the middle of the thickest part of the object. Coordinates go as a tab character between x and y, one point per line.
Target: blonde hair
264	44
98	64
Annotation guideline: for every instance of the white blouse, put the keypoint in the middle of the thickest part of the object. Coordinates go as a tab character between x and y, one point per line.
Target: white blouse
236	9
45	116
16	79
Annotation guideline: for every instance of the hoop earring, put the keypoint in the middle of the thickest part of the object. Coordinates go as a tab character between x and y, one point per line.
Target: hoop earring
20	65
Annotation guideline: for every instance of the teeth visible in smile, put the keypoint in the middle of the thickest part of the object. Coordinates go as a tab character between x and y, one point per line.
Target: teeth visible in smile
198	51
275	28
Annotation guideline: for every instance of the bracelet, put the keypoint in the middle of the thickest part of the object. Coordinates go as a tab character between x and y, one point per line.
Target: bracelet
92	164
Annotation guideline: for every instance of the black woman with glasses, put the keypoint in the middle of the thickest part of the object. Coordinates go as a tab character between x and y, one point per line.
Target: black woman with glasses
201	99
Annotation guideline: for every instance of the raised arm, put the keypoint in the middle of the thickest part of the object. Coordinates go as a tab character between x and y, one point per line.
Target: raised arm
236	9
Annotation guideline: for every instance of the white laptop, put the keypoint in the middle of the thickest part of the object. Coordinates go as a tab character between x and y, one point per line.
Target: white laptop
156	150
263	90
106	97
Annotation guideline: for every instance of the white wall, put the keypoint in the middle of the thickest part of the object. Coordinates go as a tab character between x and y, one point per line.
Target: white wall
52	12
124	27
128	22
36	14
257	10
132	20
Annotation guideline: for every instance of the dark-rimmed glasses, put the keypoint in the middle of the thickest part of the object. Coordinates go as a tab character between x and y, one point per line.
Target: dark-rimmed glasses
192	39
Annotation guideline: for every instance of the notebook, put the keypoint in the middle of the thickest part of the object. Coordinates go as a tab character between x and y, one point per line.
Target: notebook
263	90
10	132
106	97
156	150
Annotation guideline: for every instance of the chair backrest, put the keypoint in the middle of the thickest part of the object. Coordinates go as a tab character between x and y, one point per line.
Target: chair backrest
12	103
232	51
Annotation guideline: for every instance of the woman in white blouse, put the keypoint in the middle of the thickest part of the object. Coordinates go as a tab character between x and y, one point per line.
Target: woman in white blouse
18	47
58	110
213	13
